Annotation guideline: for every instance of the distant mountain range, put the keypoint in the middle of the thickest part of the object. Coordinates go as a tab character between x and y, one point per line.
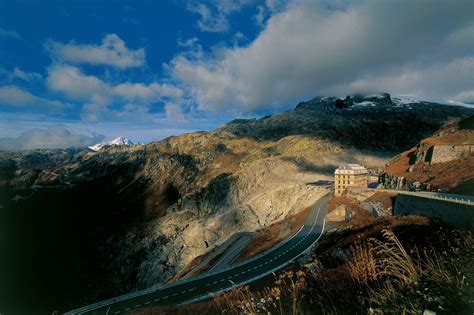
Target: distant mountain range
116	141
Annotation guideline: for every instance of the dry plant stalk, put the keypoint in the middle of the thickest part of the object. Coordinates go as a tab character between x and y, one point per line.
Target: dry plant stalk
393	261
362	265
442	270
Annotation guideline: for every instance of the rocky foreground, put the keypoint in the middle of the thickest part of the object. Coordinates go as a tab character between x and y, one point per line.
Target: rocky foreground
83	225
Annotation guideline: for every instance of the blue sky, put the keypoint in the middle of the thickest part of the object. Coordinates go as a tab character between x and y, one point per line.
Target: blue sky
150	69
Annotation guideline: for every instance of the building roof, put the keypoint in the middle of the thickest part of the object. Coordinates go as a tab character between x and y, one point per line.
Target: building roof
351	169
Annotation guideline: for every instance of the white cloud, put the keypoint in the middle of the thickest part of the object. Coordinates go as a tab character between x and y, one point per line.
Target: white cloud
146	93
12	95
17	73
466	96
9	33
260	16
213	14
267	9
112	52
174	113
209	21
276	5
76	85
98	95
229	6
313	48
51	138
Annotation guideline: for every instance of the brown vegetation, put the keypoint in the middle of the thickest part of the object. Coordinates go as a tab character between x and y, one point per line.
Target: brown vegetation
387	199
359	215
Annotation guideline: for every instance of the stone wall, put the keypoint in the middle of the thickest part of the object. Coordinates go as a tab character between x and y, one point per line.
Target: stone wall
447	152
455	213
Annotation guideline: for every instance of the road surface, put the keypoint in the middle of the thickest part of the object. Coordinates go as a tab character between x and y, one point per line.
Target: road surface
233	252
204	286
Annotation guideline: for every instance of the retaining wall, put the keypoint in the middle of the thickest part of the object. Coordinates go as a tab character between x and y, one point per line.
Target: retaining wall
460	214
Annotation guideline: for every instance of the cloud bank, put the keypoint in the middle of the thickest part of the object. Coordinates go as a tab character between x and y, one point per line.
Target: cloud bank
422	48
15	96
50	138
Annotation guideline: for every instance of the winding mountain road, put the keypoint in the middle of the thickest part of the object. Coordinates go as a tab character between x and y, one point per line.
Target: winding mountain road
206	285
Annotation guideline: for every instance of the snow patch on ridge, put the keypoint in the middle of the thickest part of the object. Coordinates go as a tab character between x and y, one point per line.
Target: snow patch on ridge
365	103
405	100
116	141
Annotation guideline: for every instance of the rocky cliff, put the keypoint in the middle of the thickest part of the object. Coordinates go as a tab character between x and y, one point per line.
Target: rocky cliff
103	223
443	162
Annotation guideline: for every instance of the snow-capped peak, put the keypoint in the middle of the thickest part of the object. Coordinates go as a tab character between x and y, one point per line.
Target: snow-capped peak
116	141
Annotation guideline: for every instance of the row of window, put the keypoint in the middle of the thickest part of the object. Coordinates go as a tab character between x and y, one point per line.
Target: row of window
343	176
346	182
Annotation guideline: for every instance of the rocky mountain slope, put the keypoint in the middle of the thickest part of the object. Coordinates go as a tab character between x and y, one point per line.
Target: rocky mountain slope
443	162
102	223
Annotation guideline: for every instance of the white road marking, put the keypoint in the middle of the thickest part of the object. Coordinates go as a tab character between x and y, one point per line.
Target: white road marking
146	303
156	300
192	289
137	305
117	313
127	309
174	294
165	297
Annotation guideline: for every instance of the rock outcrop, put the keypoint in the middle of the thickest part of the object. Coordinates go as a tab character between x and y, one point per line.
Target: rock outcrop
443	161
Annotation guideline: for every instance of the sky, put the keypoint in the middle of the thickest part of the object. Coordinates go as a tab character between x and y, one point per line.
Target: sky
73	73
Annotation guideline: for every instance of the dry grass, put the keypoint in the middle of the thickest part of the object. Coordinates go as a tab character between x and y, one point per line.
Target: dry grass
362	265
285	297
393	260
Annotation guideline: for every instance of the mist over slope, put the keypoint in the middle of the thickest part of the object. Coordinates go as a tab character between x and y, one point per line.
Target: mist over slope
102	223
